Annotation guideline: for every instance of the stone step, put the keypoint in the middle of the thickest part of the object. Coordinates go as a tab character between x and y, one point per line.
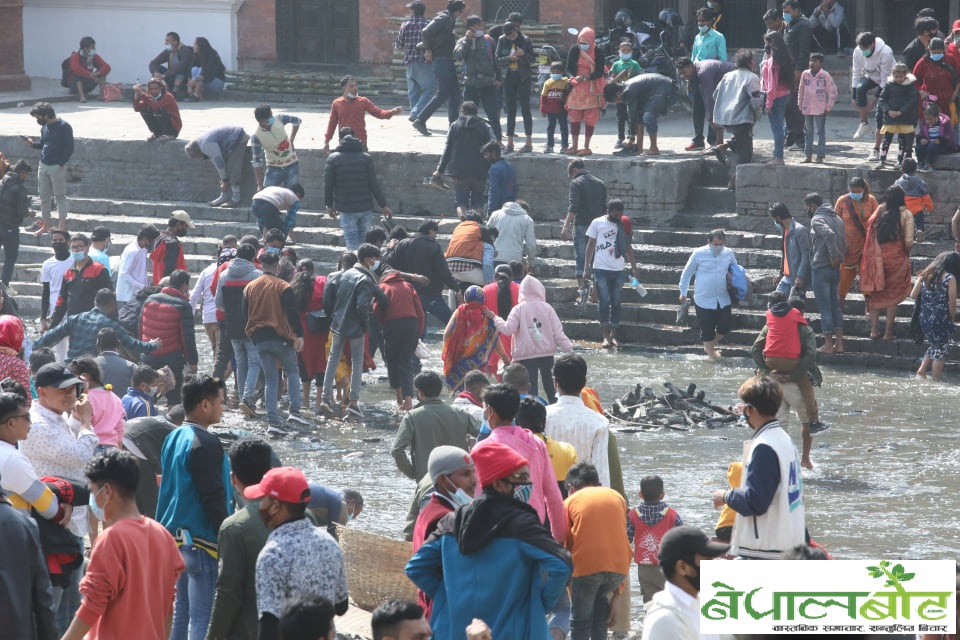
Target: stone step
711	198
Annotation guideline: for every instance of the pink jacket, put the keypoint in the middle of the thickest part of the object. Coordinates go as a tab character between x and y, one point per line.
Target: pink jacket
818	93
108	416
770	82
533	323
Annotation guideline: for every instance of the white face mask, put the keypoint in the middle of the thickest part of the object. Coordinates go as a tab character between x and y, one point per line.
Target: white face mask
352	96
461	497
154	390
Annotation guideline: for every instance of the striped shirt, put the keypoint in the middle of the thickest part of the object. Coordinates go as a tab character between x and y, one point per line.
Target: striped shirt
408	37
571	421
21	484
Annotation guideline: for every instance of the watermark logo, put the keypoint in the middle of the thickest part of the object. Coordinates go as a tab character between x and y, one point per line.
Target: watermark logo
828	597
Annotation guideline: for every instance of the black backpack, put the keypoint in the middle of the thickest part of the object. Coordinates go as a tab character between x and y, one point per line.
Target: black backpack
65	72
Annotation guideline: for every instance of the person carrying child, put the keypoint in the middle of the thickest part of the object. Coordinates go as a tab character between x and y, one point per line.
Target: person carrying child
624	69
898	105
917	195
552	99
816	98
647	523
935	137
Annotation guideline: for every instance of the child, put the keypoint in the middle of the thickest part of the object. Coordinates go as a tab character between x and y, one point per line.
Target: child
817	95
552	100
646	526
532	415
898	103
917	195
728	515
624	69
935	136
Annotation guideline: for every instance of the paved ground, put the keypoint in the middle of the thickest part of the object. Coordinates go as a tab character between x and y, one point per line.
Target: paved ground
118	121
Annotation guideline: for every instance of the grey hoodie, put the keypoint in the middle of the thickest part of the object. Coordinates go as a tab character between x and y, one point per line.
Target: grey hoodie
516	231
827	237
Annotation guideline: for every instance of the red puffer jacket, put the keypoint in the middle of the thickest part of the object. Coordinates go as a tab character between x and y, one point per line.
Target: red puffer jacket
167	315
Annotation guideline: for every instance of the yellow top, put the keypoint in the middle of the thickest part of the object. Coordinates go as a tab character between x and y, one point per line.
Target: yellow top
734	477
562	456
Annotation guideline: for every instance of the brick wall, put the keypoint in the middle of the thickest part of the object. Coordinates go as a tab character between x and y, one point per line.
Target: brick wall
569	13
11	46
256	34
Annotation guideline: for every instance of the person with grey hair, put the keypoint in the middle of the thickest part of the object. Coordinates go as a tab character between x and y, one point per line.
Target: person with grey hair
226	148
708	267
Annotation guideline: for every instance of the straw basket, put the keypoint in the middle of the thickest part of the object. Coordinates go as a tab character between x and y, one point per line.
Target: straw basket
374	566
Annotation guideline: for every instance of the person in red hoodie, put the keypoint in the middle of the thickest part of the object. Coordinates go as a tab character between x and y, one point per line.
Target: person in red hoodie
168	316
403	322
87	70
167	255
454	479
159	110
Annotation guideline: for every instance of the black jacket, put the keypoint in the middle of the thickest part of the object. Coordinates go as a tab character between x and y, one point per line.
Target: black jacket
161	63
211	67
573	57
505	46
461	153
349	180
588	198
438	36
900	97
14	201
348	300
26	605
423	256
798	36
79	290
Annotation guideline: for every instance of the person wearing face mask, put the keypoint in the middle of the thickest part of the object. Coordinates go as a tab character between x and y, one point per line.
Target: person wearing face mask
674	613
609	249
87	69
497	538
478	64
275	162
454	478
828	243
855	208
167	253
173	64
798	37
135	565
298	559
437	41
81	282
51	278
552	104
167	316
708	266
159	110
143	389
769	502
872	64
795	263
99	243
586	70
938	76
56	148
117	370
350	109
132	273
270	201
514	54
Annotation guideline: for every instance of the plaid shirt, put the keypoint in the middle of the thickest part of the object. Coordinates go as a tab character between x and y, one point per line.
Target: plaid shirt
82	329
408	37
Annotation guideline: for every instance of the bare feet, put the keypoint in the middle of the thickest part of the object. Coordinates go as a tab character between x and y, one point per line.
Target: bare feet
806	464
614	342
652	152
838	347
889	336
606	344
826	349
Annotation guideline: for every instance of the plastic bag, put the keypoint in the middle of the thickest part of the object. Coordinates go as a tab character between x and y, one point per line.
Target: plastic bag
422	351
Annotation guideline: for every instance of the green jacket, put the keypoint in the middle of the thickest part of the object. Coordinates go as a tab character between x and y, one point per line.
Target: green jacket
808	356
429	425
241	538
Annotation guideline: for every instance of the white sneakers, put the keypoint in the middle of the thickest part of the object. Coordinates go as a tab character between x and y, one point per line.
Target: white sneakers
874	156
862	130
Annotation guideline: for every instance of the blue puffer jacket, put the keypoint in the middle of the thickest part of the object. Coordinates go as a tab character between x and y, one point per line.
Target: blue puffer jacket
492	560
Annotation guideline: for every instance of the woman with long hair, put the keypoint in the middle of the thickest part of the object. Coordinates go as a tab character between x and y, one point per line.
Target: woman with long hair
500	296
209	73
936	293
885	267
855	208
308	292
777	81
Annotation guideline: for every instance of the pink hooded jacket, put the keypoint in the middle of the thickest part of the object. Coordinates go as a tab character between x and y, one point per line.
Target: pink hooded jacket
817	94
533	323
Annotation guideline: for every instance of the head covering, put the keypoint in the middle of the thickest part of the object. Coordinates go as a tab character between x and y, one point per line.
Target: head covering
956	26
56	375
100	233
473	294
682	543
11	334
286	484
445	460
183	216
495	461
226	255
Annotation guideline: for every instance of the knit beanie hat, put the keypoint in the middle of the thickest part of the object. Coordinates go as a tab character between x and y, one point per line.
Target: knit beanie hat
445	460
495	461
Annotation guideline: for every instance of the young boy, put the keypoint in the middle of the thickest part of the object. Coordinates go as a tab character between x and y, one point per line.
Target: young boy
816	98
552	100
646	526
918	195
728	515
935	137
623	69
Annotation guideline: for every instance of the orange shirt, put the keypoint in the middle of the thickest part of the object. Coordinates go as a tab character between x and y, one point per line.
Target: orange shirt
350	113
786	263
131	581
597	531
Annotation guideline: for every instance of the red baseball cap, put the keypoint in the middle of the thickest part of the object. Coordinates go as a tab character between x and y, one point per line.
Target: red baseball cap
286	484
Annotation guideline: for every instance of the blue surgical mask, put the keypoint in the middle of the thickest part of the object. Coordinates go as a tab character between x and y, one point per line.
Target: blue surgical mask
716	249
376	265
936	57
556	76
584	47
461	498
273	249
91	53
478	33
168	47
96	509
787	17
866	52
704	29
856	196
77	256
778	225
522	491
626	56
271	121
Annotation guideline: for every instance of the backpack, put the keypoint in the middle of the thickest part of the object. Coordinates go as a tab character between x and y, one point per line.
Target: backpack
65	72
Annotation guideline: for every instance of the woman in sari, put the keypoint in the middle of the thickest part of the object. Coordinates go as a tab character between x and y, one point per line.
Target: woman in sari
11	342
312	360
885	268
855	208
468	340
500	296
585	67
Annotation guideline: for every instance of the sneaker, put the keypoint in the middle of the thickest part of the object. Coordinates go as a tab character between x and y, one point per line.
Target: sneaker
230	204
422	128
527	148
248	410
277	431
298	420
694	146
220	200
818	427
354	411
819	159
874	156
775	162
619	144
880	166
413	117
548	149
325	409
436	183
923	166
862	130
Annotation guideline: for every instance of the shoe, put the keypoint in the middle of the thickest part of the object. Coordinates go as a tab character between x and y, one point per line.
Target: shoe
626	150
220	200
248	410
436	183
164	138
923	166
798	145
874	156
412	118
299	420
422	128
862	130
818	427
13	292
277	431
917	238
191	98
354	411
619	144
819	159
719	152
548	149
325	409
807	160
230	204
880	166
694	146
775	162
527	148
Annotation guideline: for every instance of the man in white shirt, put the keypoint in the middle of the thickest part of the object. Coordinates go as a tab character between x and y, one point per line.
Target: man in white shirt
51	278
608	250
202	294
133	274
674	613
569	420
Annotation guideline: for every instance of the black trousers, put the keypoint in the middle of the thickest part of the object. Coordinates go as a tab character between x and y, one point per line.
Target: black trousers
516	89
795	119
223	357
399	345
10	239
159	123
486	97
541	368
714	321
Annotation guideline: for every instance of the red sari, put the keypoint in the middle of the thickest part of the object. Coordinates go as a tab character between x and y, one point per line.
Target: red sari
885	275
313	359
490	301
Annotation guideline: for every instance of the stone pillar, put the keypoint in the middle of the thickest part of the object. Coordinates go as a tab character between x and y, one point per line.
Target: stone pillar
12	76
954	11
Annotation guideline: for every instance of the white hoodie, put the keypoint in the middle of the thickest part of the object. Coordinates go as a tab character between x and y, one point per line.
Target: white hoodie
516	230
877	67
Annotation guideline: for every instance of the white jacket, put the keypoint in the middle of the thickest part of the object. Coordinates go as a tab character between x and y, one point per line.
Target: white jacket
673	614
877	67
516	230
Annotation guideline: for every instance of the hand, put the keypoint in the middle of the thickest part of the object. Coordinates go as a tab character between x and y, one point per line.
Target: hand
43	325
157	342
565	233
801	283
428	55
488	314
83	411
67	515
138	89
326	148
28	142
478	630
298	345
437	175
259	186
470	34
387	212
924	94
895	114
331	212
683	299
718	500
614	602
586	273
396	110
776	281
193	368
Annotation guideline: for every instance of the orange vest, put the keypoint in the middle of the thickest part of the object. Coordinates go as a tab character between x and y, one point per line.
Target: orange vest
466	242
591	399
646	539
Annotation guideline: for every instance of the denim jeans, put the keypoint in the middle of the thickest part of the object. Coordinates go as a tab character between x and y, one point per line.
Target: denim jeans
589	605
195	589
356	362
10	238
580	246
435	305
274	354
445	73
559	617
354	225
248	368
609	294
826	289
421	85
818	123
777	116
282	176
267	215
